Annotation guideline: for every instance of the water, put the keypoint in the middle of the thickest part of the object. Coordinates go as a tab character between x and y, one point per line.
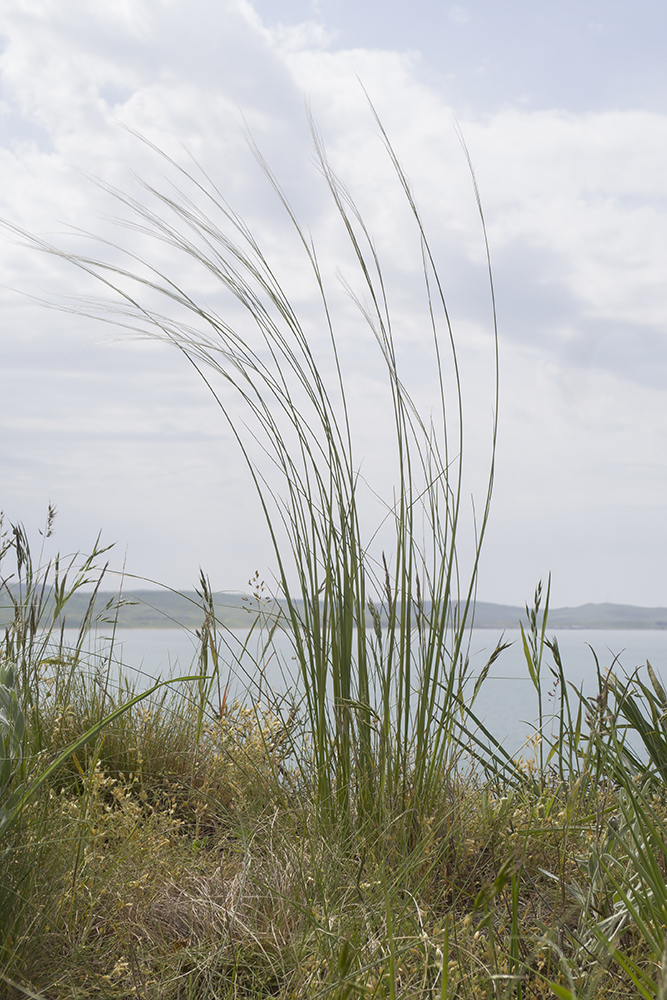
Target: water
506	704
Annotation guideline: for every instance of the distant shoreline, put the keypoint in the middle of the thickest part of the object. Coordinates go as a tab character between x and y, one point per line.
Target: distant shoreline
163	609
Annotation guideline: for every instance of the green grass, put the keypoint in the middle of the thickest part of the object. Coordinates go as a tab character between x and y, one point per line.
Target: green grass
361	835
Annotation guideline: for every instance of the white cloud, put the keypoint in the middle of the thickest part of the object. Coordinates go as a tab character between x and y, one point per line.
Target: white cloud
305	35
575	207
459	15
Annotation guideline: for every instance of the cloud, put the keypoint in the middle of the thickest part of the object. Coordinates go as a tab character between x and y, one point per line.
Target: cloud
575	207
459	15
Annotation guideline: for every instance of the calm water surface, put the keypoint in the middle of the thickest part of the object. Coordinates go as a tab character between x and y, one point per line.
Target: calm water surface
507	702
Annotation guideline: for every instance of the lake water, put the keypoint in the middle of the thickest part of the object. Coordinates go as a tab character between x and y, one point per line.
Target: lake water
507	702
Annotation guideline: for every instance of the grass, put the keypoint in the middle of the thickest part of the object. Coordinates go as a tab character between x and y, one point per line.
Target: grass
362	835
170	856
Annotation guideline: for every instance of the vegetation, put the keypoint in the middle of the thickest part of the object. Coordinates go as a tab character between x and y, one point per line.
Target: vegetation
361	834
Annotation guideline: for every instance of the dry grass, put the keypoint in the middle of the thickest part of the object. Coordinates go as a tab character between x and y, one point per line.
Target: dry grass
118	896
173	858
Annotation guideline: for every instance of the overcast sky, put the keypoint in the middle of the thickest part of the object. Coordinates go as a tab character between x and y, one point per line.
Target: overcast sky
563	107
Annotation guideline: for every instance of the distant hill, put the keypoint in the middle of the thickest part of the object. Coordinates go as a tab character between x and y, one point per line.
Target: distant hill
167	609
603	616
156	609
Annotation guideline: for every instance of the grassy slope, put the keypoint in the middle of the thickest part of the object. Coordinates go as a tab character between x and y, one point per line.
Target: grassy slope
183	854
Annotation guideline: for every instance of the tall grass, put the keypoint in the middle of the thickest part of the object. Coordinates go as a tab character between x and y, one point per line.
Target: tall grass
379	638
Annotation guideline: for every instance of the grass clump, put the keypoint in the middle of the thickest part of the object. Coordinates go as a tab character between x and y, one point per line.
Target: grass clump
361	834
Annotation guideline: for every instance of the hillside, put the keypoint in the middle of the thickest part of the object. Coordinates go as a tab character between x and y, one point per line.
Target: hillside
168	609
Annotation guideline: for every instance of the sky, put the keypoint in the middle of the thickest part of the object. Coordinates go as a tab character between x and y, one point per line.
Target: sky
563	108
